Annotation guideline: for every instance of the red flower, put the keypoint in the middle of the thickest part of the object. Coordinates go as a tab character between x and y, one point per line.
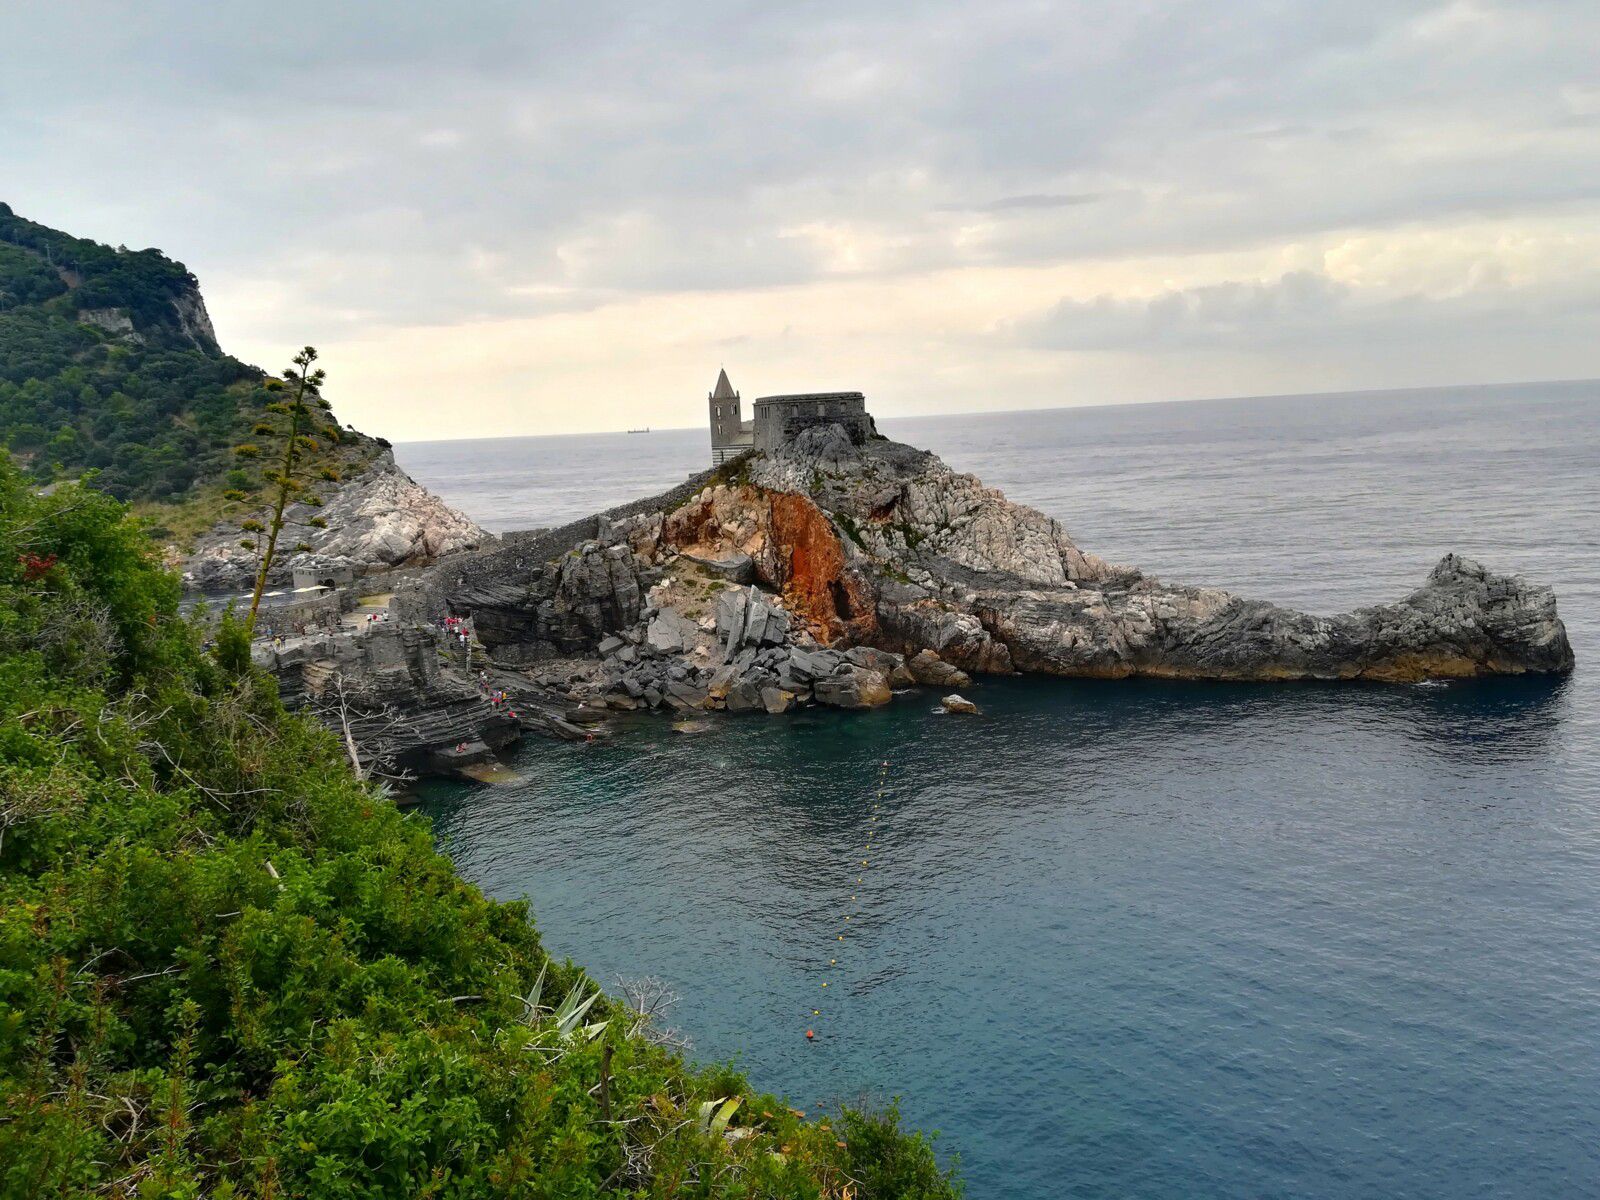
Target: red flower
33	566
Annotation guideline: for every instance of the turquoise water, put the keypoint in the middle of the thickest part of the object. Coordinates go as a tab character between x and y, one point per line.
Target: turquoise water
1143	938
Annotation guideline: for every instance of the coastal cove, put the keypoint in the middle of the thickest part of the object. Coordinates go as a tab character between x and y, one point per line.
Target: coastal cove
1137	938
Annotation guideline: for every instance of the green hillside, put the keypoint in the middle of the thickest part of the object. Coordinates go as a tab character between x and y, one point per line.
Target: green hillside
108	363
228	968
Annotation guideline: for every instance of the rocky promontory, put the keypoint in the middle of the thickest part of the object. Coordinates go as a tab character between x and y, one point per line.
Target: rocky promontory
835	572
994	586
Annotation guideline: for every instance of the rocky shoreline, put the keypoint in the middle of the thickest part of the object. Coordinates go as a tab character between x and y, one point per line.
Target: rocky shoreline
836	573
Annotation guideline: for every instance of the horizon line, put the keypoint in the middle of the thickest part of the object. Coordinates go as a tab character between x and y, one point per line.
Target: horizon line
997	412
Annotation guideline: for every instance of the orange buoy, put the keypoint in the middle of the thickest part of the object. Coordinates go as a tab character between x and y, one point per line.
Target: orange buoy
810	1034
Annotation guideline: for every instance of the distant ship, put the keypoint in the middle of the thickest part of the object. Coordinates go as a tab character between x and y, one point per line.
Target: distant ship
646	429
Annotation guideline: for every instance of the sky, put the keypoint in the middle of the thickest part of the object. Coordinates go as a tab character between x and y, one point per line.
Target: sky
523	218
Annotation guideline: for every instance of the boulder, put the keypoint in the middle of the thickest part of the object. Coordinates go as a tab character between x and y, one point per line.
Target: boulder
958	704
807	666
685	695
735	568
745	695
747	619
928	669
853	687
891	666
777	700
668	633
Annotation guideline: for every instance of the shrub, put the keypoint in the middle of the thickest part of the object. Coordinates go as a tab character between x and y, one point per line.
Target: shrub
230	968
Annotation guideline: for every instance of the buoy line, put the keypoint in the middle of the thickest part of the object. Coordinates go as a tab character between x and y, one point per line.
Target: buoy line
866	863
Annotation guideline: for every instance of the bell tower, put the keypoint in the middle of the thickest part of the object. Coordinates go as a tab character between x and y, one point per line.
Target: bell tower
726	423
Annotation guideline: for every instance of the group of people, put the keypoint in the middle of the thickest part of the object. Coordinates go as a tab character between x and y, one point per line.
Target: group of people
456	627
497	698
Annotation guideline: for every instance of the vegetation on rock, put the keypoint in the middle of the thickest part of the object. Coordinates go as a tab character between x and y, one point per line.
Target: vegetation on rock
300	438
108	364
229	968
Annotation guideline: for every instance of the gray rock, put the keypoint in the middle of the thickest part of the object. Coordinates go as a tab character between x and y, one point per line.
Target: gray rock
376	519
958	704
669	633
747	619
686	694
735	568
745	695
891	666
776	700
927	668
806	666
853	687
610	645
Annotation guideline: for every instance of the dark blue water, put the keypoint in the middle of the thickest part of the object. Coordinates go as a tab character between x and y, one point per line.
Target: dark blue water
1139	939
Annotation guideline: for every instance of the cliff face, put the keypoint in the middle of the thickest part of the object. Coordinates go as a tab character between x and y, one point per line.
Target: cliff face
835	574
942	551
109	361
378	519
831	573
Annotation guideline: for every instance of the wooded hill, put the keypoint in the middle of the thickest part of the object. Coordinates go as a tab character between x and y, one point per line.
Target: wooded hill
108	363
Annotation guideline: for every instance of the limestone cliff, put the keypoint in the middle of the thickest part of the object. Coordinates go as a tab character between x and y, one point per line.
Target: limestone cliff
377	519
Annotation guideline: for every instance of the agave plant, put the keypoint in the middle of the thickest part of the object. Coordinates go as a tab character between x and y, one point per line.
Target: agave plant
555	1030
714	1115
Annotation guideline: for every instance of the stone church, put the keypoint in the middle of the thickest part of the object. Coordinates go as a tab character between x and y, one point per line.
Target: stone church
777	419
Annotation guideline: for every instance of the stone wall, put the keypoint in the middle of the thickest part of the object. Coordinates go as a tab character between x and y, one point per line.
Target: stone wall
319	613
780	419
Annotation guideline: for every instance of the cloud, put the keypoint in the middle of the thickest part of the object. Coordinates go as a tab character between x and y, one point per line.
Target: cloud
1232	313
1306	308
348	171
1036	200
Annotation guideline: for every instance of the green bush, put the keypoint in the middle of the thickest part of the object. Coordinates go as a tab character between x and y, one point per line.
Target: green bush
230	969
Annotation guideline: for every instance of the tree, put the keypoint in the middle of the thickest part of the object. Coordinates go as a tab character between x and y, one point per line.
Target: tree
294	420
372	733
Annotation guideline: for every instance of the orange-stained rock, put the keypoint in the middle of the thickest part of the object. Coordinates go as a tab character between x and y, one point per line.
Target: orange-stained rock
813	572
795	549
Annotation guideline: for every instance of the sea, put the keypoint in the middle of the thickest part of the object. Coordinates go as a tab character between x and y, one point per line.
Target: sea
1141	938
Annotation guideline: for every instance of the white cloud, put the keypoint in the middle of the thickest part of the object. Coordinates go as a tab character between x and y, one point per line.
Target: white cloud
1218	179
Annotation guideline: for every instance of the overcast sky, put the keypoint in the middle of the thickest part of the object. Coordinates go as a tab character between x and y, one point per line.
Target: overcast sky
500	218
